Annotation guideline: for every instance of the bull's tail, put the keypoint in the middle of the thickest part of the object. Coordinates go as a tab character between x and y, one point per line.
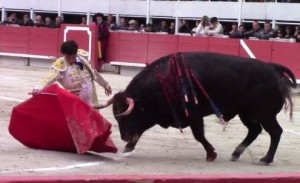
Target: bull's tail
286	82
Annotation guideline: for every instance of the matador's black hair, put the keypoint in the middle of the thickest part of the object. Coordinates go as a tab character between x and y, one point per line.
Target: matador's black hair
69	48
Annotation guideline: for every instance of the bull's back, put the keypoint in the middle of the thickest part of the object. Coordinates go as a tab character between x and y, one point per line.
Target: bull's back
232	82
237	83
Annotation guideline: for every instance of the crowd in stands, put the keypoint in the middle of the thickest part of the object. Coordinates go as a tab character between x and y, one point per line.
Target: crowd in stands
210	27
205	27
37	22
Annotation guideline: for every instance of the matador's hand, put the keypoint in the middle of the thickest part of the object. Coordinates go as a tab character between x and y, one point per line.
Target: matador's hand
35	92
108	90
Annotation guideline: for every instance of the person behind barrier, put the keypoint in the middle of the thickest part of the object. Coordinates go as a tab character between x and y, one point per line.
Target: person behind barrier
185	27
12	19
103	34
172	28
163	27
75	73
142	28
203	26
26	21
255	30
133	25
237	33
288	32
242	29
234	31
38	22
111	23
58	22
296	31
298	37
215	27
48	23
267	32
123	24
149	28
280	33
83	21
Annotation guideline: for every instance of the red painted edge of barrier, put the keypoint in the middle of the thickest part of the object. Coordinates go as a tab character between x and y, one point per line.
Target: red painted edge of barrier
203	178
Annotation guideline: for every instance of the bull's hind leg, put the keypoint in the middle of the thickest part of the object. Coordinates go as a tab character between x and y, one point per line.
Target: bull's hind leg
254	129
197	127
273	128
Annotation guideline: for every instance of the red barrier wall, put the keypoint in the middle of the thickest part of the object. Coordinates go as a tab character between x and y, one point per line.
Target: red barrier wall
260	48
225	178
14	39
43	41
132	47
142	48
160	45
192	44
287	54
157	45
224	45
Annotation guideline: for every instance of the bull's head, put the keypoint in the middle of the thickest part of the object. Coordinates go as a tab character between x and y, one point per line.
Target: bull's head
129	117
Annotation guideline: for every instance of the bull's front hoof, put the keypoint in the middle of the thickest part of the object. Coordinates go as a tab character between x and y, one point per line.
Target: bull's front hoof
265	161
211	157
128	149
235	156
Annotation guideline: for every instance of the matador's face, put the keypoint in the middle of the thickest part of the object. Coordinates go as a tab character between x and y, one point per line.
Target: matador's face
70	59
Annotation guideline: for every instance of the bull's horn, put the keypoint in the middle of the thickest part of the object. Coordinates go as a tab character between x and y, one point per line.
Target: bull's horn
108	103
130	108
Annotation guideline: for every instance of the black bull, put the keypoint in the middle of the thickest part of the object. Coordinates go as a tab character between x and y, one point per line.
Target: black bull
251	89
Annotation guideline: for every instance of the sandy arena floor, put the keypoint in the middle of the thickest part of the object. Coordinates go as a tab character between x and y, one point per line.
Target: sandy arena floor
160	151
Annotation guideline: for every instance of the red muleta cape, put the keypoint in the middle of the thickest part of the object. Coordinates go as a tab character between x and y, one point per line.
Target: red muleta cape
58	120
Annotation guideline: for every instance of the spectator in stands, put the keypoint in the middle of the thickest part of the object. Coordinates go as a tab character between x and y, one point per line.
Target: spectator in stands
26	21
149	28
83	21
296	31
288	32
12	19
123	24
111	23
185	27
142	28
237	33
48	23
242	30
172	28
163	27
255	30
234	31
193	31
103	35
215	27
58	22
133	25
267	32
298	38
38	22
202	26
280	33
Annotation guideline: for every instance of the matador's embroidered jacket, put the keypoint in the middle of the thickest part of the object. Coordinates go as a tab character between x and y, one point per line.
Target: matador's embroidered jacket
77	78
